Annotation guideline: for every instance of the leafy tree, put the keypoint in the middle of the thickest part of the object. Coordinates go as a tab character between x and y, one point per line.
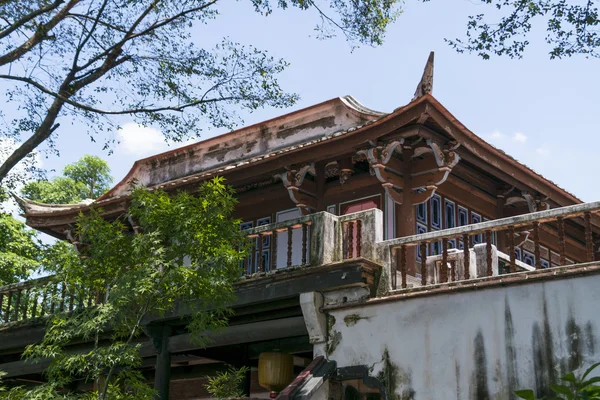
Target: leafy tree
92	171
92	61
573	388
19	250
185	248
227	384
87	178
571	28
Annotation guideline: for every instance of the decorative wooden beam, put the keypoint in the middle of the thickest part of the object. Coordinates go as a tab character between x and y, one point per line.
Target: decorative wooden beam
534	203
431	164
293	180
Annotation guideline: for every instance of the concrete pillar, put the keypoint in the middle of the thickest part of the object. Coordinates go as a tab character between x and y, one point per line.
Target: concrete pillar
162	374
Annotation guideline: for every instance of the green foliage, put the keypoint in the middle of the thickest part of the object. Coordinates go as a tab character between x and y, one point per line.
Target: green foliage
19	250
573	388
571	28
227	384
93	172
91	61
187	249
87	178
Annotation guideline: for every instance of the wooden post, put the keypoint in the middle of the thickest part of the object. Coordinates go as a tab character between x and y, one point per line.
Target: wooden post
405	212
320	183
561	241
500	235
511	249
162	373
467	257
536	244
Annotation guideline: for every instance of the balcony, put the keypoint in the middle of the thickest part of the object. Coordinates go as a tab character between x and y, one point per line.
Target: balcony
322	241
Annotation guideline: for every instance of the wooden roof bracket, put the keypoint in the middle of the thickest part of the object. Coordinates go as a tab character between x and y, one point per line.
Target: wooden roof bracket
294	180
427	175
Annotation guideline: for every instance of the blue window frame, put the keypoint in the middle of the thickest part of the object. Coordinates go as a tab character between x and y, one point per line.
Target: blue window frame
544	263
518	254
266	239
436	248
421	212
450	217
475	219
421	229
463	216
266	259
528	258
436	212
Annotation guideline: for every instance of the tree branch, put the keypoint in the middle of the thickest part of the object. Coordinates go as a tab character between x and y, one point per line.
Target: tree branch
40	34
19	23
130	35
139	110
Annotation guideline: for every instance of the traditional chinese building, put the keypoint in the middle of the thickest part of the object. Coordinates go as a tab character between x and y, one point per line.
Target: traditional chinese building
397	255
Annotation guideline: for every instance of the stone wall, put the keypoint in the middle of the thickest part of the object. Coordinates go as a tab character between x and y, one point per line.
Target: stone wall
474	344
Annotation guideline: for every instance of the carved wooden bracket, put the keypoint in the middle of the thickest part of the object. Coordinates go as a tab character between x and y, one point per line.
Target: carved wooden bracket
534	203
430	166
301	191
76	241
343	169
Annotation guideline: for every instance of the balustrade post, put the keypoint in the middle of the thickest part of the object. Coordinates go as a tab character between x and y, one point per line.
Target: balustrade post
274	251
403	265
536	245
9	300
304	243
511	249
350	242
259	262
289	246
589	243
423	263
467	257
561	241
358	237
444	266
488	252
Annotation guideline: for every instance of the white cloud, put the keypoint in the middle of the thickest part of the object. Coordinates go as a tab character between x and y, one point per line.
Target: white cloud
140	140
543	150
19	175
520	137
497	135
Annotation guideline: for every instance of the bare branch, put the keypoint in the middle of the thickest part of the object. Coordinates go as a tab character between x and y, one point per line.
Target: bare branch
19	23
130	35
40	34
139	110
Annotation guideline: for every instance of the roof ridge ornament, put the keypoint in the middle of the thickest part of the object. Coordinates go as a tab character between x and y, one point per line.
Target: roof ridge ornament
425	86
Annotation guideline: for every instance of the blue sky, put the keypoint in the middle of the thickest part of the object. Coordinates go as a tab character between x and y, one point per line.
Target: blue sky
542	112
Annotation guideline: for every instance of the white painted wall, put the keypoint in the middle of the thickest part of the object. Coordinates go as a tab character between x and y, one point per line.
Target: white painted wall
477	344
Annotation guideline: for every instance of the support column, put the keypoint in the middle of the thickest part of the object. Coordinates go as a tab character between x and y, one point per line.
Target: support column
405	216
320	181
162	374
500	236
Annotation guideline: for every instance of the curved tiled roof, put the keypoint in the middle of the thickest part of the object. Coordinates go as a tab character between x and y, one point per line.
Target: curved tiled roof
308	127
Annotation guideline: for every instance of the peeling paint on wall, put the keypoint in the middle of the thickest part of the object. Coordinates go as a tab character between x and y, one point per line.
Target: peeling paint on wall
477	345
352	319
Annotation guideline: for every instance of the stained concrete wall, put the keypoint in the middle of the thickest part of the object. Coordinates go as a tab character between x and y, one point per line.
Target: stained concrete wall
474	344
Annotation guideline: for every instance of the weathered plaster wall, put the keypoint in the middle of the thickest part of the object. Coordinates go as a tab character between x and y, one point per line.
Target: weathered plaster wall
476	344
314	122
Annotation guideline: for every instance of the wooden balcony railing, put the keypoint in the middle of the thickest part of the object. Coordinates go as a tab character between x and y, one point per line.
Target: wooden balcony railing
323	239
40	297
487	258
311	240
